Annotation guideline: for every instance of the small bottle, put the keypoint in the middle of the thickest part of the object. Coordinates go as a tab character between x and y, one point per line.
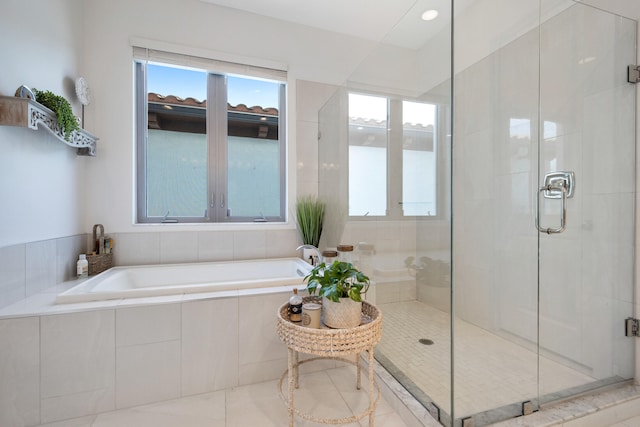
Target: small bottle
82	266
295	306
345	253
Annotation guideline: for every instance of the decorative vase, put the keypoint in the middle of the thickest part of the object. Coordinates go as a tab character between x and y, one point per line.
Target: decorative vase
344	314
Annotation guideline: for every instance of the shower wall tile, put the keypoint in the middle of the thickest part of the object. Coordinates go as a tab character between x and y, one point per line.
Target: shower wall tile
604	131
136	248
20	372
477	175
41	258
215	245
561	297
210	345
310	97
176	247
474	297
307	152
475	237
474	97
362	231
77	364
608	245
561	76
13	277
409	237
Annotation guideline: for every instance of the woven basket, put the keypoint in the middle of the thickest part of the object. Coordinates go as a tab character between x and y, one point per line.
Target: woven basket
344	314
99	261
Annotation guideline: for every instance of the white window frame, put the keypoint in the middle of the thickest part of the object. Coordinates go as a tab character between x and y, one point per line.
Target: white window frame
217	211
394	201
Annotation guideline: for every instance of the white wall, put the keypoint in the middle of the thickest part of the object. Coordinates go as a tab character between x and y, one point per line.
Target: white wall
309	54
42	180
50	192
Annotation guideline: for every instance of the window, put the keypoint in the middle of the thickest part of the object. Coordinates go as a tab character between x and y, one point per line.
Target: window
210	144
392	150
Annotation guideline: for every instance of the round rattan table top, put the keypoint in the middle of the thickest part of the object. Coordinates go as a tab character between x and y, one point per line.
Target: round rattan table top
327	341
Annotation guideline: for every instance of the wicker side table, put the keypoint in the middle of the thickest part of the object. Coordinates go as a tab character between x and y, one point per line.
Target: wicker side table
332	344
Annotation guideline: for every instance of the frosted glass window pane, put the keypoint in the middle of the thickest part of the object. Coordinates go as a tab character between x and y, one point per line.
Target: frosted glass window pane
253	148
419	195
367	155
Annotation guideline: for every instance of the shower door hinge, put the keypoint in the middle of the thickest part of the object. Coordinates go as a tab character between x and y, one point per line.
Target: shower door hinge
632	327
633	74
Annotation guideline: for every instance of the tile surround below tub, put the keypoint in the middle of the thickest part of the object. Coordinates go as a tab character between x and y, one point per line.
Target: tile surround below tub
209	345
147	373
77	364
147	324
20	372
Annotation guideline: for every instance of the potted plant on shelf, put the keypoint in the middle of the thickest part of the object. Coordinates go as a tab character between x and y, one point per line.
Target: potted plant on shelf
62	109
341	286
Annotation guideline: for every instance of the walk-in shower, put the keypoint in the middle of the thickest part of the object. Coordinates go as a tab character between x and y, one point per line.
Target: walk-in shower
499	218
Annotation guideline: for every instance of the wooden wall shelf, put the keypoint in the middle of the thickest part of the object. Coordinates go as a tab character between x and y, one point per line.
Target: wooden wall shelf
23	112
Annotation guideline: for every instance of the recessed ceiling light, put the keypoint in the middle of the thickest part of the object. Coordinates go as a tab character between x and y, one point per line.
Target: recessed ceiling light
430	15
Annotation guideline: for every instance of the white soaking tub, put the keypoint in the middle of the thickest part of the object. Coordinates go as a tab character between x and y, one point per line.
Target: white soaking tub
177	279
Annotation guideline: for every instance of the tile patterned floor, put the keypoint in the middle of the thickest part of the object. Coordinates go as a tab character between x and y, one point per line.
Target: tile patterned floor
490	371
330	393
631	422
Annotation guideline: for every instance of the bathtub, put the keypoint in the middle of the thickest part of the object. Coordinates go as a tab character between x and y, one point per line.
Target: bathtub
177	279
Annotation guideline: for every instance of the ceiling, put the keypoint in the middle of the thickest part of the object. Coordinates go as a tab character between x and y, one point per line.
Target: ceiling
393	22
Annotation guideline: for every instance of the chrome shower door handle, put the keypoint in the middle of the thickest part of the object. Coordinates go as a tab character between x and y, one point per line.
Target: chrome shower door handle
553	188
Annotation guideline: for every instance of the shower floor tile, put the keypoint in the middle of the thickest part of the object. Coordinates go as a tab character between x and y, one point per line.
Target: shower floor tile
490	371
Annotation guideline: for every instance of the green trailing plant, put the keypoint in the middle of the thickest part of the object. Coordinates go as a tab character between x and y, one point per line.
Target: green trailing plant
310	216
338	280
59	105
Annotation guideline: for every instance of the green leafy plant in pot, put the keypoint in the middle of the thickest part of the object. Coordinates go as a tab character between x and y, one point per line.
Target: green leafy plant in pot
341	286
62	109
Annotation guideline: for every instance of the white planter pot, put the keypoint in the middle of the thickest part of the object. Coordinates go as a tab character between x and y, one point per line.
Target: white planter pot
344	314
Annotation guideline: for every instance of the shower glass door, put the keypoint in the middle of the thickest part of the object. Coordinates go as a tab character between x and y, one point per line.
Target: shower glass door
587	126
495	242
540	92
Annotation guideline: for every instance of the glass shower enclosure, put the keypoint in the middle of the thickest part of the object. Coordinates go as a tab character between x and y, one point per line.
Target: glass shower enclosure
484	167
